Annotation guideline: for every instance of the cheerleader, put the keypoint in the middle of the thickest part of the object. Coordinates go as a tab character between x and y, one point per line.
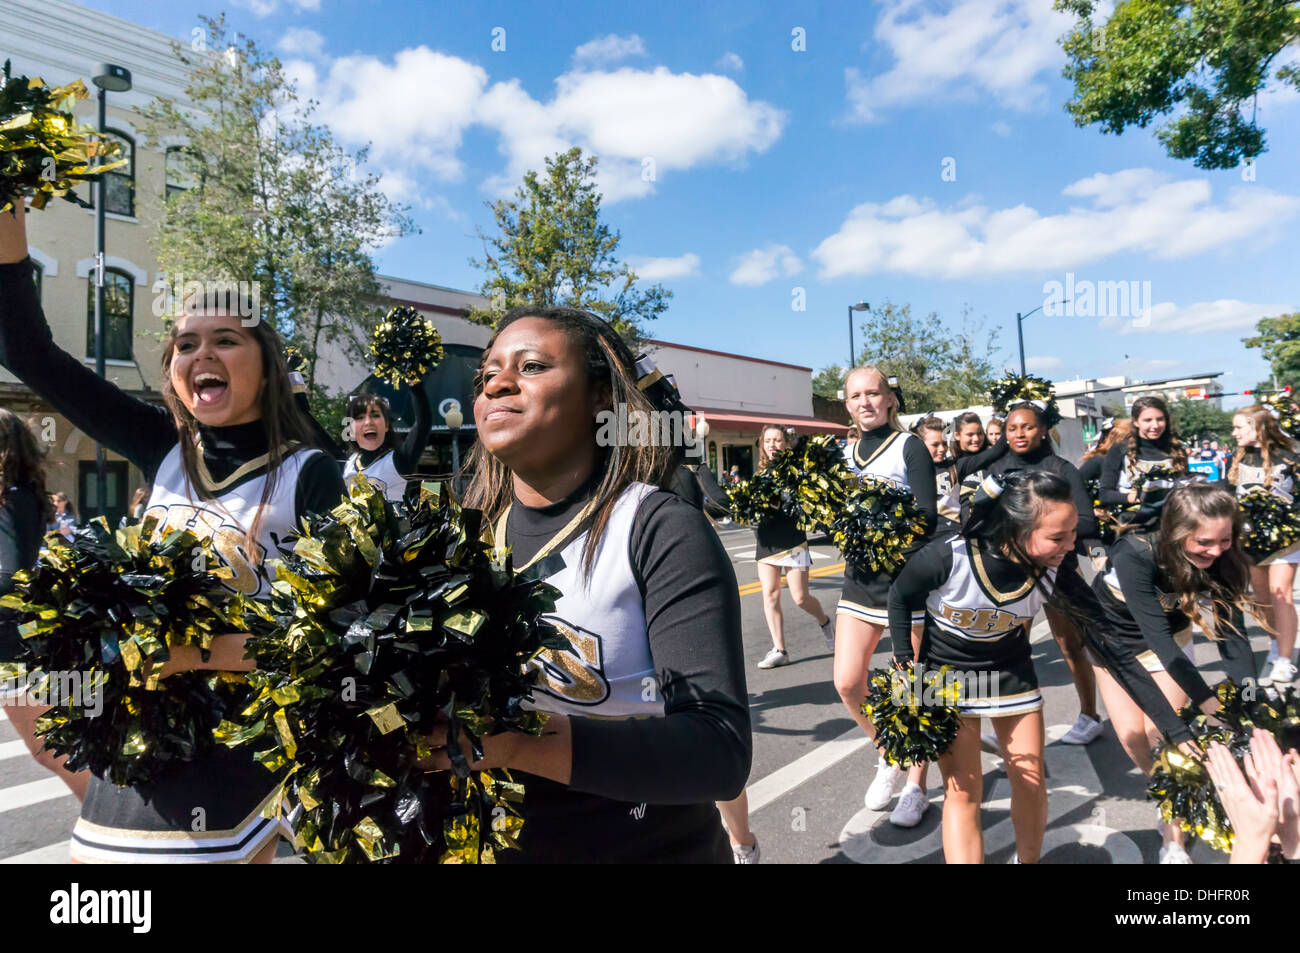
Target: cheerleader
1151	443
968	435
1266	458
229	459
24	511
1030	447
883	451
649	720
1187	566
375	452
979	592
949	474
1112	432
993	429
781	544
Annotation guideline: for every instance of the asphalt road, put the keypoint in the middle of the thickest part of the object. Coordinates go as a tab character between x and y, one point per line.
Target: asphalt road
811	763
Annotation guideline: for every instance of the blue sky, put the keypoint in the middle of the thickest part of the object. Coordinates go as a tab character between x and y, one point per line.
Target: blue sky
911	151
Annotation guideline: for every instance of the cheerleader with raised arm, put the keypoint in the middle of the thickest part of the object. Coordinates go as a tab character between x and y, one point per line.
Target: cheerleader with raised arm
1184	566
1151	443
979	592
1266	458
781	546
649	722
376	453
230	453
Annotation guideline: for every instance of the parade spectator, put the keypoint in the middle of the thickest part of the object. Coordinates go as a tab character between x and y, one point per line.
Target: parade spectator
65	516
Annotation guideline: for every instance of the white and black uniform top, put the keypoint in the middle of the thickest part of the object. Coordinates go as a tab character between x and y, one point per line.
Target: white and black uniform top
388	466
153	822
1278	478
1118	472
654	682
947	489
979	610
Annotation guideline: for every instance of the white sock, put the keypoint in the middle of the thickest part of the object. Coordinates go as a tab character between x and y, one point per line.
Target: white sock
1272	651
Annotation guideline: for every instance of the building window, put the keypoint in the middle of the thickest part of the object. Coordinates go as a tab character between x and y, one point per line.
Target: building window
179	171
119	300
119	184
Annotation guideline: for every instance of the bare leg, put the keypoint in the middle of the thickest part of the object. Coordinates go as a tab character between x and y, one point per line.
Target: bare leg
855	642
805	600
770	577
1021	738
963	789
24	718
1071	645
1281	580
735	815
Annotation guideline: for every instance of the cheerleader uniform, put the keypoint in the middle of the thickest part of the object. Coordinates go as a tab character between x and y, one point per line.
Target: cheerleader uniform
947	493
387	466
901	460
1251	474
654	681
1118	472
20	544
209	809
1145	615
780	542
979	608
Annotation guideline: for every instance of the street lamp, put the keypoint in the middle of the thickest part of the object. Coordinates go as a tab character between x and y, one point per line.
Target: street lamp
860	306
1020	333
116	79
454	419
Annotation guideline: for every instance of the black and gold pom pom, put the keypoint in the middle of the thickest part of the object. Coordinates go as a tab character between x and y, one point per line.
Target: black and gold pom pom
1286	410
1012	389
98	618
389	634
406	346
878	525
804	482
44	153
916	719
1270	522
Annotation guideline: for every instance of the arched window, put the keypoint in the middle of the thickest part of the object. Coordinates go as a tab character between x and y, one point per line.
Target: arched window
119	300
179	170
119	184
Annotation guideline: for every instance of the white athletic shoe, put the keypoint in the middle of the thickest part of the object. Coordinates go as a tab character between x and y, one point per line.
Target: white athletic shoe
912	805
828	633
773	658
1281	672
881	791
1085	729
1173	853
745	854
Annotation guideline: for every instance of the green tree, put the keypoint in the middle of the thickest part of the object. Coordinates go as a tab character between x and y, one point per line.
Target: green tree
1279	339
937	368
1204	59
1196	419
273	201
829	382
553	250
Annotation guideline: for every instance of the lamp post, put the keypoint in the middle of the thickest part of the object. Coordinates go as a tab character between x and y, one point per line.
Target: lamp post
860	306
1020	333
118	80
455	419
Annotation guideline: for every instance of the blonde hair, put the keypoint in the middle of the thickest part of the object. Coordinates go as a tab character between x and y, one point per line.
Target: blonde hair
1270	437
894	422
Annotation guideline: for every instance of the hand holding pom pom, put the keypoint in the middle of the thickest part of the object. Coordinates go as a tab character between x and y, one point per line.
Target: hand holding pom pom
406	346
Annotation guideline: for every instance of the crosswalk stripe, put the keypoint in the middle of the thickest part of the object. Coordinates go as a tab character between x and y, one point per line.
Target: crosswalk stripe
53	854
33	792
12	749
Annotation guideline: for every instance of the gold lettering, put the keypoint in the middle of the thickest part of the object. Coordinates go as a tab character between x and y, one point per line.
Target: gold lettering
575	675
227	540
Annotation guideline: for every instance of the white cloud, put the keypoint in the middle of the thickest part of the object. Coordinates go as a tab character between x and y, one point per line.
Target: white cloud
301	41
762	265
264	8
660	269
1000	128
731	62
1043	364
1135	211
1203	317
609	49
416	107
999	49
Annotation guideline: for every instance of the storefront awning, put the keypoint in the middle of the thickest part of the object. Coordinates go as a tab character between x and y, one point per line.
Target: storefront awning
740	420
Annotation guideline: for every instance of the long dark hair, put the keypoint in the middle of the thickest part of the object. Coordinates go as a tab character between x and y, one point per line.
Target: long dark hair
1168	440
1003	523
763	458
21	462
1228	580
609	362
1271	441
358	404
961	420
287	428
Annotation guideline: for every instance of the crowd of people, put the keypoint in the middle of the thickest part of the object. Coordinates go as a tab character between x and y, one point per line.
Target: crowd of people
622	773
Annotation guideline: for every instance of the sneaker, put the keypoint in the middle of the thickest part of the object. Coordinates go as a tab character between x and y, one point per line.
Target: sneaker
1173	853
1281	672
1085	729
745	853
912	805
881	791
828	633
773	658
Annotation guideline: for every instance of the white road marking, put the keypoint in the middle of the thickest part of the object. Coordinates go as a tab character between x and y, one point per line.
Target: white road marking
33	792
53	854
12	749
784	780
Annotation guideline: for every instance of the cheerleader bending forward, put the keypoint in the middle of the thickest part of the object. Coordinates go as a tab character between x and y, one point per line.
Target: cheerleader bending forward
979	593
1266	459
229	458
650	716
1187	566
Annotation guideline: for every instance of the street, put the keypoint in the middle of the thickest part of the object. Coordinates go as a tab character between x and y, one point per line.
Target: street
811	764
